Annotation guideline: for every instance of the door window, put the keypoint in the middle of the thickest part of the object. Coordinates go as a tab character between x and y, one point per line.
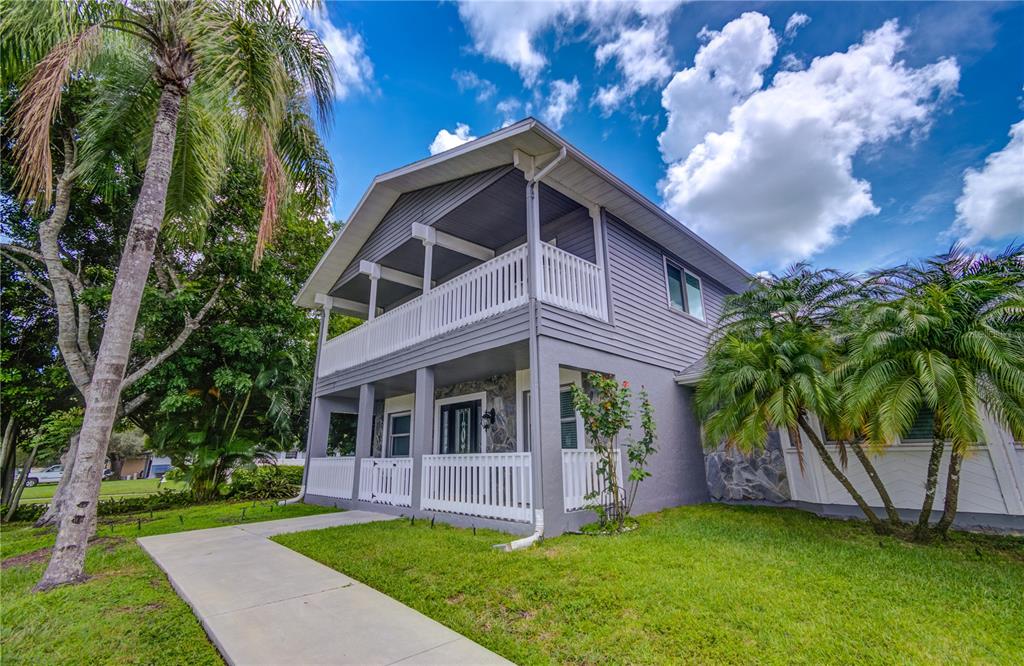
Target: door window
460	427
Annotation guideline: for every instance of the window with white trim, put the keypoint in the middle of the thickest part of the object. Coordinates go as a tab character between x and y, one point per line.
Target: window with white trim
685	292
399	433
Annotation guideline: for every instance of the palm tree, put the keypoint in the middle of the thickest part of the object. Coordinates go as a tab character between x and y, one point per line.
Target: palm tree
214	76
946	336
769	363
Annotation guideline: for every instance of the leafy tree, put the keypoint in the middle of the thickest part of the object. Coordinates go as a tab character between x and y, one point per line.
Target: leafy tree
227	73
769	366
945	336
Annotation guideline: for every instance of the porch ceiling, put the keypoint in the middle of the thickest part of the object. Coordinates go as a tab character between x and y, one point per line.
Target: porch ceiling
494	218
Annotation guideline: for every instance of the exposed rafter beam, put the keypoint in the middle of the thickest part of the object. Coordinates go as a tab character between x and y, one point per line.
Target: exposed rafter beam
432	236
376	271
343	305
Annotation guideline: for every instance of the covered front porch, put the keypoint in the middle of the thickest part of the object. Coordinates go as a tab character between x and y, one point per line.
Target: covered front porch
453	441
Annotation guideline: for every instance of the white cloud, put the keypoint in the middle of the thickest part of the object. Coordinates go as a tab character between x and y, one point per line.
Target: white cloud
992	203
726	69
467	80
509	110
561	99
641	56
772	179
511	33
353	70
795	22
792	63
446	140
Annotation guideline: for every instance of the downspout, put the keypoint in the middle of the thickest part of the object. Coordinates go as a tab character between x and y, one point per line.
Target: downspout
312	408
536	451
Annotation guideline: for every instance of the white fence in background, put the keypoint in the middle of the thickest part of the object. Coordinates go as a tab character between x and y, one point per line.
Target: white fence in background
572	283
580	478
484	291
491	485
386	481
331	477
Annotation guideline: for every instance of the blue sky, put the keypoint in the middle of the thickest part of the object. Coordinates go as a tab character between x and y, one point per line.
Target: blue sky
834	132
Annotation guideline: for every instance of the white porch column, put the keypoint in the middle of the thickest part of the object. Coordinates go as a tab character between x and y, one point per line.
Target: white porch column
422	429
428	263
533	238
372	314
595	216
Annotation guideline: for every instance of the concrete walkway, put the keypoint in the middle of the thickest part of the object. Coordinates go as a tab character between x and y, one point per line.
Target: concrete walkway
262	603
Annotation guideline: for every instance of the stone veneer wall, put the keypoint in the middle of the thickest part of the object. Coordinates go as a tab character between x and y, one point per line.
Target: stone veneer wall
733	476
501	395
378	429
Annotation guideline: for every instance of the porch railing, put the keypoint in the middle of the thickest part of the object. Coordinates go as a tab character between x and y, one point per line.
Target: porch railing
490	485
386	481
580	478
490	288
331	477
572	283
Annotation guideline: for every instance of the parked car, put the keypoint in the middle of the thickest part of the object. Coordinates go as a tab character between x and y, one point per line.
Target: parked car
49	474
52	474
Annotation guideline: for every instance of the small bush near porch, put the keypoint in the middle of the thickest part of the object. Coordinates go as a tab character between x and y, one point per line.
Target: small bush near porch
701	584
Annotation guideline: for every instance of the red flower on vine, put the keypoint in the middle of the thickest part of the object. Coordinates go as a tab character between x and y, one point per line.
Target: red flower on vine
625	384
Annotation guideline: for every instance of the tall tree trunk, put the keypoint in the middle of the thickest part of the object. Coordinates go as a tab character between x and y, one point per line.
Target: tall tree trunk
52	513
7	465
830	464
876	480
930	484
952	493
67	563
16	494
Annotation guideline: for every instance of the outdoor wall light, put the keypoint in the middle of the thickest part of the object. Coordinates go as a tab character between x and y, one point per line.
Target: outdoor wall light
489	418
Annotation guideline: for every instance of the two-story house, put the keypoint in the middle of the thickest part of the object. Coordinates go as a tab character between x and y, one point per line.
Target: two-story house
490	278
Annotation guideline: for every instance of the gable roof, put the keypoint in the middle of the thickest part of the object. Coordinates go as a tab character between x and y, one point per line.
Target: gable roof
577	173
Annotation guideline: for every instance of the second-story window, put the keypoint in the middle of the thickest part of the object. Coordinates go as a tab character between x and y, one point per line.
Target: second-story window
684	291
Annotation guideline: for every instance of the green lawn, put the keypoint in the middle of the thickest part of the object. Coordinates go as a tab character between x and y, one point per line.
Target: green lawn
127	612
701	584
108	489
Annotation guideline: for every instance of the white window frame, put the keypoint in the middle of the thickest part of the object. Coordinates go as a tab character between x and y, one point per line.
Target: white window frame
466	397
388	434
666	262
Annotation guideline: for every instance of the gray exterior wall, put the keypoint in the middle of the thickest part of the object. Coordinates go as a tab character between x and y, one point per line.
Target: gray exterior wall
643	326
678	466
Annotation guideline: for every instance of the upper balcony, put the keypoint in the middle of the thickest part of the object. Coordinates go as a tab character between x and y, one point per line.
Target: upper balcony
495	286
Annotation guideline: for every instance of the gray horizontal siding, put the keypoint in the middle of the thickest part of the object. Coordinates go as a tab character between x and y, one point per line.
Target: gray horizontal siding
502	329
573	233
643	326
425	206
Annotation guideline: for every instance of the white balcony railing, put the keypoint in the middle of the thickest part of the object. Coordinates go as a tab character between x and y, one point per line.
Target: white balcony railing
331	477
572	283
493	287
386	481
580	478
491	485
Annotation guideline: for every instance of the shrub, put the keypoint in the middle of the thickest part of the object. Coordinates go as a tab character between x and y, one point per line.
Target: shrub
25	512
164	499
265	482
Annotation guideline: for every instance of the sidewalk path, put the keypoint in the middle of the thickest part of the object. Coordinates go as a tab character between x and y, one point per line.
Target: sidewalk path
262	603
